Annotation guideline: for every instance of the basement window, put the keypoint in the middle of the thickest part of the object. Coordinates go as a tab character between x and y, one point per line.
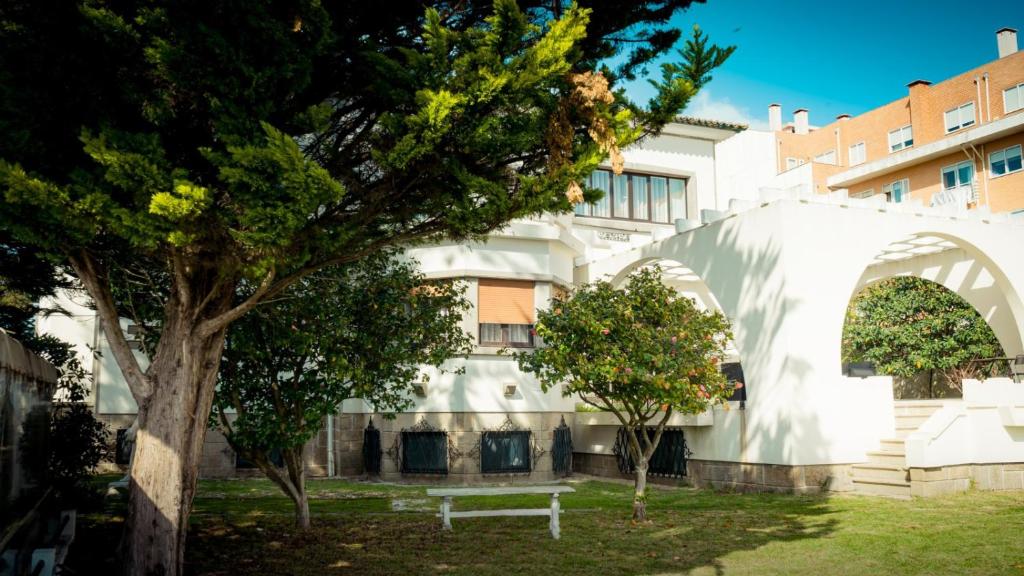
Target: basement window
505	452
424	452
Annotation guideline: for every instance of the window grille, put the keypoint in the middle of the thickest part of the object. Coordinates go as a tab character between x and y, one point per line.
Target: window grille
505	452
424	452
668	460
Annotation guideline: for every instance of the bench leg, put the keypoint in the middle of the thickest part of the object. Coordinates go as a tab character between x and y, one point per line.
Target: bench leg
446	512
555	530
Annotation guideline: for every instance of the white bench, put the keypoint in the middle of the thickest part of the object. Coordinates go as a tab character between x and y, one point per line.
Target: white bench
446	495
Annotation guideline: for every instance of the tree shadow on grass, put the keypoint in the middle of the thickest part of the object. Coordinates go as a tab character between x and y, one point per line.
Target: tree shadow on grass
691	530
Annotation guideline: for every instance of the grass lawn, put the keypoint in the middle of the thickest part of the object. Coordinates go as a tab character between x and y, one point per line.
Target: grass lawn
245	527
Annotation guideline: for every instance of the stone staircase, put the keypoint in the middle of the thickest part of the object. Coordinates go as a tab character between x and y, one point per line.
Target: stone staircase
886	473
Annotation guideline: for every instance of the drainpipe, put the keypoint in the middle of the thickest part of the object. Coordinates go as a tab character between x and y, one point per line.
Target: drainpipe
977	86
988	103
330	445
984	169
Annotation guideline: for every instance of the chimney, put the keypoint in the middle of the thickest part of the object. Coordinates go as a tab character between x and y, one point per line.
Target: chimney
800	121
774	117
1006	40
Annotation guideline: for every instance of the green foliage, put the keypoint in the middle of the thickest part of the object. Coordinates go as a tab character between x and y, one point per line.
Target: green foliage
908	325
63	445
632	351
360	331
276	133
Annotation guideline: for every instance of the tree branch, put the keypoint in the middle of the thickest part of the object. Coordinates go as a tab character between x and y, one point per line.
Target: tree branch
95	282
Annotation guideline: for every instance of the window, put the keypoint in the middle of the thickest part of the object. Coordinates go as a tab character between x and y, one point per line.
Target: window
669	458
659	199
505	452
958	175
865	194
424	452
794	162
1013	99
601	180
901	138
897	191
649	198
960	117
506	312
1005	161
857	154
641	207
826	158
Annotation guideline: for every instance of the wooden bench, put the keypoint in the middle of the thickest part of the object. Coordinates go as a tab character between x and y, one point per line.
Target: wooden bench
446	495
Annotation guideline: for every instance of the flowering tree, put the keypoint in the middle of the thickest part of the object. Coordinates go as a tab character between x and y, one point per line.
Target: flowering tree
641	352
358	331
908	326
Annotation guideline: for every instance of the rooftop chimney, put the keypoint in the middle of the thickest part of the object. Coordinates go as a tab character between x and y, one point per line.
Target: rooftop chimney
800	121
774	117
1006	39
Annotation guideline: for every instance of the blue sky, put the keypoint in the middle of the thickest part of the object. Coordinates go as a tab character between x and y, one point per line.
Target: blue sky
834	58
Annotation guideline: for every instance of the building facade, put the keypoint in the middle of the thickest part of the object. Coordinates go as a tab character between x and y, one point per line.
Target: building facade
766	226
955	143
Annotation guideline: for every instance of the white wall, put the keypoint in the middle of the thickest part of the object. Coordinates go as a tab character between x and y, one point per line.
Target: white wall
744	163
784	274
678	156
986	426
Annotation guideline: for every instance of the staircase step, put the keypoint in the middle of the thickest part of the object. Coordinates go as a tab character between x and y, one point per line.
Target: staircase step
881	488
904	431
893	445
914	421
916	407
880	473
887	458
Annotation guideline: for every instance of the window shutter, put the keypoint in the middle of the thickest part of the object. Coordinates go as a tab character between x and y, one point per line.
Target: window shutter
505	301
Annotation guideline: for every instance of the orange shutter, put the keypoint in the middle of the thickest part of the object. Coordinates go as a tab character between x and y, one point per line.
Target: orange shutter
505	301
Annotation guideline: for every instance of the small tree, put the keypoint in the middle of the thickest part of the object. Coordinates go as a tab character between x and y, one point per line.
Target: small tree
641	352
360	331
908	326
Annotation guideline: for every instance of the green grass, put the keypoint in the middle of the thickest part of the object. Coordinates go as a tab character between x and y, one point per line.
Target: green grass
245	527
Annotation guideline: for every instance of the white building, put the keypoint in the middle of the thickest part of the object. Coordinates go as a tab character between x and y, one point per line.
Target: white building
703	199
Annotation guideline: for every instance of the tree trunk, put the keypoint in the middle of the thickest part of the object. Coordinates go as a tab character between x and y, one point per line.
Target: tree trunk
640	492
291	480
168	447
297	476
302	508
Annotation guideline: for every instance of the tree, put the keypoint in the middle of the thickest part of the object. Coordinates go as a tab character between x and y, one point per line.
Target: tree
68	441
641	352
907	326
239	147
360	331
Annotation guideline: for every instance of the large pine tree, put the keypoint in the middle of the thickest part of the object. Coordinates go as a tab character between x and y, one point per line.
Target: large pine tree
240	146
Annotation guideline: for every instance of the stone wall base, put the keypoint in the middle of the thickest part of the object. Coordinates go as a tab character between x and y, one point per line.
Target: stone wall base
952	479
734	475
218	459
464	433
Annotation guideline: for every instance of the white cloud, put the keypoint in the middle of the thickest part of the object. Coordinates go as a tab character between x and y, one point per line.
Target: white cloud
706	106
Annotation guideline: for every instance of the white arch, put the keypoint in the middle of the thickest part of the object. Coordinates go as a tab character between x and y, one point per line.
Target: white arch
784	273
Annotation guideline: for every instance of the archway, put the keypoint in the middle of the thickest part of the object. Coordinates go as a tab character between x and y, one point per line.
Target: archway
688	283
953	282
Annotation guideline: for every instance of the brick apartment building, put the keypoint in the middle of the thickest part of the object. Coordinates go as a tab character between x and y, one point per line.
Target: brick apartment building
957	142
